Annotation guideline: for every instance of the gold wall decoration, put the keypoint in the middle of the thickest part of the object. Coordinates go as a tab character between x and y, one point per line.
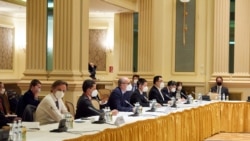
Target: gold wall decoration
6	48
97	48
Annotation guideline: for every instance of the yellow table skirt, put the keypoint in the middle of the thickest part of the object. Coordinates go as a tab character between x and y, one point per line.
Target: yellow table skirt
191	125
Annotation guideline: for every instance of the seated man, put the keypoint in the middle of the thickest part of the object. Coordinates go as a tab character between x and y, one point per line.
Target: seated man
118	98
30	97
52	109
84	102
218	88
134	81
140	94
4	103
155	91
170	90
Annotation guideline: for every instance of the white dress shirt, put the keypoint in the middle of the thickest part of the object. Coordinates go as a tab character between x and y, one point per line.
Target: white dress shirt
47	111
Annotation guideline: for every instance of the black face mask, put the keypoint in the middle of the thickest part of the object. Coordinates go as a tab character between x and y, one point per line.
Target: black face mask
219	83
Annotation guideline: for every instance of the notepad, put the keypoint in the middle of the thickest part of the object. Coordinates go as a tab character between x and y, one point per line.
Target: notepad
31	125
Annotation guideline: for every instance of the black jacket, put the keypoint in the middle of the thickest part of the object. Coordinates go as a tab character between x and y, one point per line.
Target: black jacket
138	97
82	109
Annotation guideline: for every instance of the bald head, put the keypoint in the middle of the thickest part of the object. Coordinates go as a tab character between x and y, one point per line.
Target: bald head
123	83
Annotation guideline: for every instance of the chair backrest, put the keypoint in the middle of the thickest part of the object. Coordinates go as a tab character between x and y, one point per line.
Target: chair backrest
70	107
28	113
104	93
95	104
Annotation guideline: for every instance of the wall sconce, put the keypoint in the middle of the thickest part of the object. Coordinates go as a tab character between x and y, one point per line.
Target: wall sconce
185	13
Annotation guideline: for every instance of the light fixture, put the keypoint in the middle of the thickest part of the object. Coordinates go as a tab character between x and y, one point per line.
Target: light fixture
185	13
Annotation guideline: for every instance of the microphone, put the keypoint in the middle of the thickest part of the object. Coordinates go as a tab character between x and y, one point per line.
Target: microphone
183	95
129	103
174	103
61	127
136	112
101	115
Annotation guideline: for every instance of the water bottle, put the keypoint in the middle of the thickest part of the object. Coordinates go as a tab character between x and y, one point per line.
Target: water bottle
219	97
191	99
200	98
14	131
19	130
11	133
107	113
223	96
69	120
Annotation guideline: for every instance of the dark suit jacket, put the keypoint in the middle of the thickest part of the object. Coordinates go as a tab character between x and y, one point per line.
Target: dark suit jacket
138	97
82	109
117	100
28	99
155	94
223	90
167	93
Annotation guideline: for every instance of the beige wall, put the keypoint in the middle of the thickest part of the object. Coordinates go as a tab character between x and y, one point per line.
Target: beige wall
19	25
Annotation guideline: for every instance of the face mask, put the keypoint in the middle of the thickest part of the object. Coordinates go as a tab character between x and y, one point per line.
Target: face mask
94	93
162	85
173	89
3	90
59	94
129	87
145	89
179	88
219	83
135	81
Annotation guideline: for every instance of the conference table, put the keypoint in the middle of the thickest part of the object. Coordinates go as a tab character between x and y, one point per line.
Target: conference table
186	122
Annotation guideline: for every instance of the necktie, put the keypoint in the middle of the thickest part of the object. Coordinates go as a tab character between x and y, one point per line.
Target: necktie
57	104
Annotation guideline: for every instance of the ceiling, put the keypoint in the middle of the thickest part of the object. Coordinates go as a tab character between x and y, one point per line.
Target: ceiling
17	10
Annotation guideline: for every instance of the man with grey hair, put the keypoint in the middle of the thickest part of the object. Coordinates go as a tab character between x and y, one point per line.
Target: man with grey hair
118	97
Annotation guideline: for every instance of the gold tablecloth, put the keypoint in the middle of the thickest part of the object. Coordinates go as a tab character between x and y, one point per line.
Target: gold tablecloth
195	124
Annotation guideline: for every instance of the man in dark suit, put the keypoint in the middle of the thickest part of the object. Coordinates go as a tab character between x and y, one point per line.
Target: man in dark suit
155	91
134	81
139	95
170	90
218	88
118	98
30	97
84	102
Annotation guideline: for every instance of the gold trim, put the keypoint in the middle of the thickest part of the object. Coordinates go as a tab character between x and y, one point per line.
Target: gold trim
18	2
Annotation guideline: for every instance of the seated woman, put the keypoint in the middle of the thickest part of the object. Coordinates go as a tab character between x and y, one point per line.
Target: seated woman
84	106
180	93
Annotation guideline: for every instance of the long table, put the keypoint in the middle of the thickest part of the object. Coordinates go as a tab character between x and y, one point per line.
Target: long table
189	122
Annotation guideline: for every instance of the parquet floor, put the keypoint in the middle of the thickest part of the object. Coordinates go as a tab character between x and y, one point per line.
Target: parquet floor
230	137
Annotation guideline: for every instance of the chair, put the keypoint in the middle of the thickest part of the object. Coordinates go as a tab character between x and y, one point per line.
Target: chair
104	93
70	107
28	113
95	103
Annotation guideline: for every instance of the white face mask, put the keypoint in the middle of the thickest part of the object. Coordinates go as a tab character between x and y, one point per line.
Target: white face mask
135	81
145	89
179	88
162	85
59	94
3	90
129	87
173	89
94	93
